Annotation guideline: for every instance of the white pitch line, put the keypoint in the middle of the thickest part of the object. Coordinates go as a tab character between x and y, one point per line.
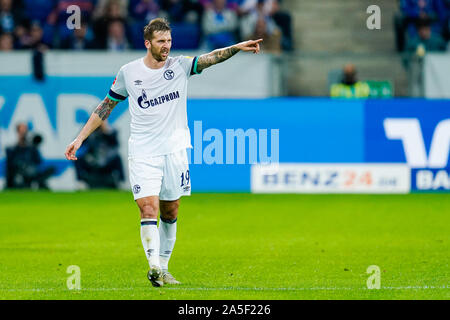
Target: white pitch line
231	289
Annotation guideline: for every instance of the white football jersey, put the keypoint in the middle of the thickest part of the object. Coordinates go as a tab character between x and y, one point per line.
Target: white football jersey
157	104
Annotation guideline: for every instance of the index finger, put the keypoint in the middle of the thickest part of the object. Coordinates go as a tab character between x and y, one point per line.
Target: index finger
258	41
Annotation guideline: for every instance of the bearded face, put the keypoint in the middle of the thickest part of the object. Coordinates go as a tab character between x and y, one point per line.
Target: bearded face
160	45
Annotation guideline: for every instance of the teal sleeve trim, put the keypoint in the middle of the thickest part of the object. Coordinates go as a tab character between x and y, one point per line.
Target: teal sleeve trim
195	66
115	96
114	99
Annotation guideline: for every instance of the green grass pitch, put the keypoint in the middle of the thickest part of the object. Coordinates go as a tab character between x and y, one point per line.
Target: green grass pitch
229	246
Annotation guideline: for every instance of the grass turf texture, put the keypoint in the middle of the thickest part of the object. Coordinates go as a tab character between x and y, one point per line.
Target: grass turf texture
229	246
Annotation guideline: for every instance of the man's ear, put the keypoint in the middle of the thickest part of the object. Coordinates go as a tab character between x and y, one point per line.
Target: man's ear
148	44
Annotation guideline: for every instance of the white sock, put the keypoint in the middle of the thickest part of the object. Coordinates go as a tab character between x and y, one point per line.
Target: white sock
150	241
168	235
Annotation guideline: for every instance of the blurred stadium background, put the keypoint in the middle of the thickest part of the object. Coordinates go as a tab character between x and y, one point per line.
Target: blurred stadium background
342	108
52	77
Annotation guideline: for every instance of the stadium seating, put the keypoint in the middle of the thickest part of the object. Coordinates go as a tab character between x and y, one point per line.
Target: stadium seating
186	18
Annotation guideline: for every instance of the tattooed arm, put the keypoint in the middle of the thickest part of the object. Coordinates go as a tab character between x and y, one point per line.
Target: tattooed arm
220	55
100	114
104	109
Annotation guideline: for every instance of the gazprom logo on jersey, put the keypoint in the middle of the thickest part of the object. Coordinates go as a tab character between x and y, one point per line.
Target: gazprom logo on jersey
419	138
233	146
144	102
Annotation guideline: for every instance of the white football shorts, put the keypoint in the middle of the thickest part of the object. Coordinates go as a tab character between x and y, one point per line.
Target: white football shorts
165	176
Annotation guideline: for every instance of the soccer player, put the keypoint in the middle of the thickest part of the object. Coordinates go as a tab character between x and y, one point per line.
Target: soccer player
156	87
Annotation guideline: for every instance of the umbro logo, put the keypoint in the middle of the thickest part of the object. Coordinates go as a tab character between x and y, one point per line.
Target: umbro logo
138	82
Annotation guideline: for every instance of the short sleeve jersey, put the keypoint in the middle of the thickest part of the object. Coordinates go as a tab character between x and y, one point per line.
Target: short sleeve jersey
157	105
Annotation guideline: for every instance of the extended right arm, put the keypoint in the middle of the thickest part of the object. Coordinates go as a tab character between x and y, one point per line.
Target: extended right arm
100	114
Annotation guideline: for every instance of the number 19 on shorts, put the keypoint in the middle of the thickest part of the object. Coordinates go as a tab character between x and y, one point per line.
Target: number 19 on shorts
185	178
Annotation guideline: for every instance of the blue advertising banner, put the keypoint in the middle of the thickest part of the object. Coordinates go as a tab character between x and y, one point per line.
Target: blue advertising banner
54	108
307	130
229	136
412	131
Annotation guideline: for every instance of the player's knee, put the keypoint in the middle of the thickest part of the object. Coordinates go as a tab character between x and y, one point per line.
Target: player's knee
170	215
170	212
148	211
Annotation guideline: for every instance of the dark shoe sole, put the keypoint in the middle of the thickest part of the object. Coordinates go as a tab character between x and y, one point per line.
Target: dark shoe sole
153	277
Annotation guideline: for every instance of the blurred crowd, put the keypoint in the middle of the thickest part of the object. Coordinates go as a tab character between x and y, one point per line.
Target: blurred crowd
117	25
422	25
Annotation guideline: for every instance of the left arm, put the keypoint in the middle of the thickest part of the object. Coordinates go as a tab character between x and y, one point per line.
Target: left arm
220	55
